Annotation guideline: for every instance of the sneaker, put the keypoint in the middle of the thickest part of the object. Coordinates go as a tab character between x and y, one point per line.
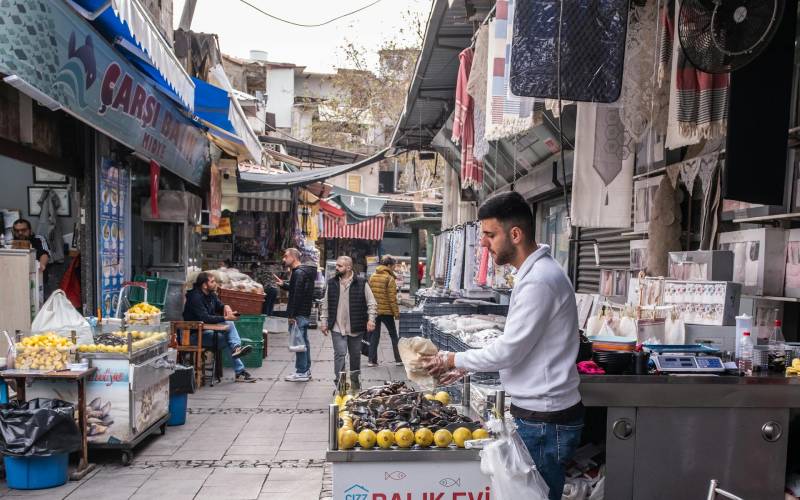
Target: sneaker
298	377
243	376
371	364
398	363
240	351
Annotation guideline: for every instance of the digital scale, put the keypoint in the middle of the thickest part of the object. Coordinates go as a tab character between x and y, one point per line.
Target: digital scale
687	363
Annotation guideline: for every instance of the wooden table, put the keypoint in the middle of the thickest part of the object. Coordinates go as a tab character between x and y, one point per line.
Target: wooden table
80	377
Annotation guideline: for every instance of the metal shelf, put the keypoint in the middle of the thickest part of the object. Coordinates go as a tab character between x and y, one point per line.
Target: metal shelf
768	218
767	297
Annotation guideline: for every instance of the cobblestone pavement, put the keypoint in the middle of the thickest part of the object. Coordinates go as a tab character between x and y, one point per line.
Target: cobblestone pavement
265	440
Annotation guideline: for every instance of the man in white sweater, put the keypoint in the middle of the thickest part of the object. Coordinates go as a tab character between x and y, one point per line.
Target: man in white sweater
536	353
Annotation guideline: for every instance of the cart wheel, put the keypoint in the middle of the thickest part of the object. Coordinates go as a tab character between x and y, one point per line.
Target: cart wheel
127	457
163	429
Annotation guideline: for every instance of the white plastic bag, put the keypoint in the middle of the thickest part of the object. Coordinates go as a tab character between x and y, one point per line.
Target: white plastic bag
296	341
58	315
509	464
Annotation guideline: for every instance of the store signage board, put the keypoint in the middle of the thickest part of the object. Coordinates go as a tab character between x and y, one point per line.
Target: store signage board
410	481
51	48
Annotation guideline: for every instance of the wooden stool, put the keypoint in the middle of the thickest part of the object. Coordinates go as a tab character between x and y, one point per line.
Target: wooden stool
181	340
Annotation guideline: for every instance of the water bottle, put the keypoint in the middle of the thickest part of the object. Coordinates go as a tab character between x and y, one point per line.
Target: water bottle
776	354
745	360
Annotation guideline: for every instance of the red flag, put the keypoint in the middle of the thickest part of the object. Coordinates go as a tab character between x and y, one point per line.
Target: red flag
155	171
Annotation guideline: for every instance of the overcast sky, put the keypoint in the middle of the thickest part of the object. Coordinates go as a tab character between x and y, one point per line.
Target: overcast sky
240	28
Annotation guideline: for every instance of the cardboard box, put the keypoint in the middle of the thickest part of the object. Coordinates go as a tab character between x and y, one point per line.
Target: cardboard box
759	259
792	288
709	265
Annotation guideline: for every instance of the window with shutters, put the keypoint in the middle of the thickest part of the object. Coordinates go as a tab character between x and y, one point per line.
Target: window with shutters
354	182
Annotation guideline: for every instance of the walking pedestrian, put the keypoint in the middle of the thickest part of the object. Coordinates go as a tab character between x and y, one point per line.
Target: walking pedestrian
348	311
384	286
536	353
298	308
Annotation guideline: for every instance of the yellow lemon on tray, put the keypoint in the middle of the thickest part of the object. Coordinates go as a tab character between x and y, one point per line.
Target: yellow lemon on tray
367	439
385	439
442	438
404	437
347	439
424	437
442	397
460	435
480	434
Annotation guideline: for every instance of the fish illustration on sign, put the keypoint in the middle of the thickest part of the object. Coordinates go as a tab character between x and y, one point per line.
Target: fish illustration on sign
85	54
80	71
449	482
396	475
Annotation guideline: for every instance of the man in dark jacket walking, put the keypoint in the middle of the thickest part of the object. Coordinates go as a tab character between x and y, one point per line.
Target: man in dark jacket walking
203	304
298	309
348	311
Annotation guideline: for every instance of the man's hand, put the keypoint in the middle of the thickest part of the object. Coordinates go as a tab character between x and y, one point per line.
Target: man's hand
324	330
439	363
227	310
229	316
277	279
370	326
42	266
452	376
292	321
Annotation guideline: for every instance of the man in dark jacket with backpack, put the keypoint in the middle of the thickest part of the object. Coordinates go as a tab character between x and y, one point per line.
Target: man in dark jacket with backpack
298	309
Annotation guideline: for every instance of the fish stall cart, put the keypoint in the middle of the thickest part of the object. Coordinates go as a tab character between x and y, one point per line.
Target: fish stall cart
389	468
128	396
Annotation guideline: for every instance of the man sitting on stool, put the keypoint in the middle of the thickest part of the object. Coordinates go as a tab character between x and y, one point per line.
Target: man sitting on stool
203	304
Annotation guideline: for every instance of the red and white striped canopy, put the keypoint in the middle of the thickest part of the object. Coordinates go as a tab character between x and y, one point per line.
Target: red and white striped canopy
337	227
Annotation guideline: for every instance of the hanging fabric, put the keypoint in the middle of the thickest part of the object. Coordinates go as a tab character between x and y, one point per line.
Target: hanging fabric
664	230
712	205
708	163
464	126
506	115
689	170
674	173
603	171
640	71
476	87
49	227
698	101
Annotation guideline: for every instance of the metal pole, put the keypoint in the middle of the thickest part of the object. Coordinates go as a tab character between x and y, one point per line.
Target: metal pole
187	15
465	394
333	427
501	403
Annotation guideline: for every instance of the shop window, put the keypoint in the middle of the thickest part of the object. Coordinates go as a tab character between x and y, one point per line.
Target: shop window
554	231
354	182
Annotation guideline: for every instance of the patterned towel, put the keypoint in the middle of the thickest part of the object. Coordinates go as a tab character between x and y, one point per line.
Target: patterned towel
464	125
506	115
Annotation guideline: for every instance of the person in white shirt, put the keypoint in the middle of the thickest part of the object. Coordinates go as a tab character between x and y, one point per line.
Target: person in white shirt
537	352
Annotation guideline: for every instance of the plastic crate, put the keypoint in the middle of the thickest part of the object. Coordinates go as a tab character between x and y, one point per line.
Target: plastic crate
498	309
410	322
254	359
156	291
242	302
446	309
250	326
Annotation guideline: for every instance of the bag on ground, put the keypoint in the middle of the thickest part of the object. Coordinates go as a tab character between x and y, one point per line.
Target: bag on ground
40	427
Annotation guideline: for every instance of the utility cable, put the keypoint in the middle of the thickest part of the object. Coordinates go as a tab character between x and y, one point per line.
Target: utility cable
302	25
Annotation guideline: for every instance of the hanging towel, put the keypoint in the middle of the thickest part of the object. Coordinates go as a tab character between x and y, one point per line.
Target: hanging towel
483	267
464	126
640	74
603	171
506	115
48	226
698	101
476	87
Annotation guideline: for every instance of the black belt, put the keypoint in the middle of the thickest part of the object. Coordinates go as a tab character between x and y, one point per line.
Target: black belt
562	417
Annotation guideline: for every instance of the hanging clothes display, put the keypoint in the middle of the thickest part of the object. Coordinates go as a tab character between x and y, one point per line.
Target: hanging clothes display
464	125
603	172
457	271
476	87
506	115
49	226
698	101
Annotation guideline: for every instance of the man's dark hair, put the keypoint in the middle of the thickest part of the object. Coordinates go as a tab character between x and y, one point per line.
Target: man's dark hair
23	221
387	260
511	210
202	279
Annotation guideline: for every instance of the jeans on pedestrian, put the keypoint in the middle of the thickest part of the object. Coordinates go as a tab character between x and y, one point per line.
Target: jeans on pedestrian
375	337
551	446
344	345
302	363
232	340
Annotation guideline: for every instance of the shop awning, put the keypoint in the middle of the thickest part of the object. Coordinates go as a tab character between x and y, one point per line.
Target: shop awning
279	200
249	181
313	153
335	227
126	24
358	206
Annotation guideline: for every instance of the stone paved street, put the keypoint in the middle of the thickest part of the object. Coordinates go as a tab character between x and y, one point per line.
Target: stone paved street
265	440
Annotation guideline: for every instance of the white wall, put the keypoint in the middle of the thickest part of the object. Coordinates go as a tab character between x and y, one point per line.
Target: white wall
280	95
303	122
369	179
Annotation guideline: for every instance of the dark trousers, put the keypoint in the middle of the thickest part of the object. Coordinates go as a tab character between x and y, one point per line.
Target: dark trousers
375	337
270	296
344	346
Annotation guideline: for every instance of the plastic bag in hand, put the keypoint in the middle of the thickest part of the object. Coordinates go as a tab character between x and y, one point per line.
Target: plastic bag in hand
296	341
508	463
60	316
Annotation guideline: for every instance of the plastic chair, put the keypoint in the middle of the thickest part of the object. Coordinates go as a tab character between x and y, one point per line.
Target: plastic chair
156	291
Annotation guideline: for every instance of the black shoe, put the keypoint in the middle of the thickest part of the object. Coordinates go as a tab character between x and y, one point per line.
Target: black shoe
241	351
243	376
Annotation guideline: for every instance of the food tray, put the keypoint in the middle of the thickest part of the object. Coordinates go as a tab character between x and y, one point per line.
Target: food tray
685	348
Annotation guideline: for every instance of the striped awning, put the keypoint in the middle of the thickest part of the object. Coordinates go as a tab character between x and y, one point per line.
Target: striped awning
336	227
263	205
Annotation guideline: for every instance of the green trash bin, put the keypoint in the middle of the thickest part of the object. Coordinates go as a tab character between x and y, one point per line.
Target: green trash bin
254	359
251	326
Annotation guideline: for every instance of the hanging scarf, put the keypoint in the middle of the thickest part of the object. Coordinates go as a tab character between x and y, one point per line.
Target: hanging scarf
464	126
476	87
640	70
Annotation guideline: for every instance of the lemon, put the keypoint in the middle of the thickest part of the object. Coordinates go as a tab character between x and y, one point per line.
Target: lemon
337	401
480	434
347	439
460	435
429	397
385	439
442	397
404	438
367	439
424	437
442	438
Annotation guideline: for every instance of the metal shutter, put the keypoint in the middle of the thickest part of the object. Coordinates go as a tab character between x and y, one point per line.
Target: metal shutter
614	253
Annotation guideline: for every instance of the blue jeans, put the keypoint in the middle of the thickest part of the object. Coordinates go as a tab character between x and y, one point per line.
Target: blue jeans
302	363
232	340
551	446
